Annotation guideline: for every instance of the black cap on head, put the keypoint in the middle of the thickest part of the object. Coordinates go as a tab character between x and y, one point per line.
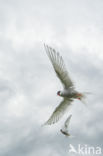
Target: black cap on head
58	93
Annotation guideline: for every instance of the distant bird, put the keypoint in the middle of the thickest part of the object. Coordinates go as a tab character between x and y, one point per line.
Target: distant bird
69	93
65	128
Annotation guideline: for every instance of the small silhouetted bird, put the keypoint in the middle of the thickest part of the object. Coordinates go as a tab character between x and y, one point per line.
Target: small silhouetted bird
65	129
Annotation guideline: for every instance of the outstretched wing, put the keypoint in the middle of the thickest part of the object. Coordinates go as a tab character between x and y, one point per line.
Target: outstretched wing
59	66
66	124
59	111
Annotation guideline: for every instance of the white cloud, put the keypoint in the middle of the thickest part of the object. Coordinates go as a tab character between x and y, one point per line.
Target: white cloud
28	84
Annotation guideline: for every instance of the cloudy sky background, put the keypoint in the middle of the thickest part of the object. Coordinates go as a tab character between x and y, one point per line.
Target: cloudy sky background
28	84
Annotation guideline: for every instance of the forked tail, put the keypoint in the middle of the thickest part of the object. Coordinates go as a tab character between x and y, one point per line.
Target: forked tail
83	97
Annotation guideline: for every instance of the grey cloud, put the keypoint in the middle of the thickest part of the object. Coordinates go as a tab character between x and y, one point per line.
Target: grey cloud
28	84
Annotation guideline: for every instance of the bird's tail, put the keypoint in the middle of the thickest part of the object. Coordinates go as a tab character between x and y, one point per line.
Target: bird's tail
84	96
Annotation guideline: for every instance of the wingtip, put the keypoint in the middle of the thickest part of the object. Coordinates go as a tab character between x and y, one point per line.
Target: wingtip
44	45
47	123
44	124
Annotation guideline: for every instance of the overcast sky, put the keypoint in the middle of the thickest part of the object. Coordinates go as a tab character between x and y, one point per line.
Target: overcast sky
28	84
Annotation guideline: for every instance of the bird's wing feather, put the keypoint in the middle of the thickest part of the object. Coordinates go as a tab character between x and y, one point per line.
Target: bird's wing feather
66	124
59	111
59	66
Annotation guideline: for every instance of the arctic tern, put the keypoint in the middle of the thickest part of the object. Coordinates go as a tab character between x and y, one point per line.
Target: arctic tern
65	128
69	93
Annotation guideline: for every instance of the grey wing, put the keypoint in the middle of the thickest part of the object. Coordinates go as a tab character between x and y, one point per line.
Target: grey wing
59	112
59	67
66	124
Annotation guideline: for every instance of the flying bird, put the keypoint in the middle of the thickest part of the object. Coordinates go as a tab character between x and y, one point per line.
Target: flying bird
65	128
69	93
